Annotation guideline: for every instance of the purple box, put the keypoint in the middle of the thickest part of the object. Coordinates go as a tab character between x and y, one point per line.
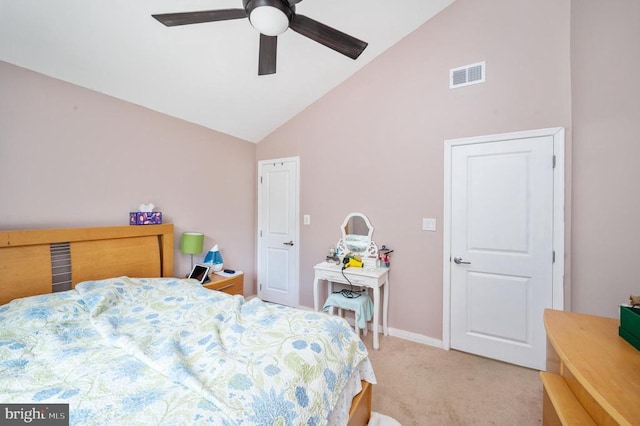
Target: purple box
145	218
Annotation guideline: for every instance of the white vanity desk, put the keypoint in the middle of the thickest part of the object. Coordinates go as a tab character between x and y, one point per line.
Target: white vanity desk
373	278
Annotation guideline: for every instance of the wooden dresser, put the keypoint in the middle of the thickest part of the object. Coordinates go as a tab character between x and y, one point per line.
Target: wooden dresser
593	375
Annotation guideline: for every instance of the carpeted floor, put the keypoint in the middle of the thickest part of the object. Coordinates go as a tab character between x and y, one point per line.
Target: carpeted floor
422	385
378	419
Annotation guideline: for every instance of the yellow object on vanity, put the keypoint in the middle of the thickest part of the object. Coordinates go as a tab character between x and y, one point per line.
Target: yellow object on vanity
231	285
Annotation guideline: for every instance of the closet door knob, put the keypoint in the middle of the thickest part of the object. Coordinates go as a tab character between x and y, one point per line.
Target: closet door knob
290	243
459	261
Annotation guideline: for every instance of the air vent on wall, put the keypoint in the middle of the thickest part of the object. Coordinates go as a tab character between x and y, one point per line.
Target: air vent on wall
467	75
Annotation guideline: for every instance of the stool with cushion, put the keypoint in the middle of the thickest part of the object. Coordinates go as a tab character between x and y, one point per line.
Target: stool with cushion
362	306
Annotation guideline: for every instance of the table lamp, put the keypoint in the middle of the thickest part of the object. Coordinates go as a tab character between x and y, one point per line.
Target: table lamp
192	243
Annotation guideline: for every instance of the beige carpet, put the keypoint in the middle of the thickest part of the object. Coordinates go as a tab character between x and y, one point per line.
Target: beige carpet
423	385
378	419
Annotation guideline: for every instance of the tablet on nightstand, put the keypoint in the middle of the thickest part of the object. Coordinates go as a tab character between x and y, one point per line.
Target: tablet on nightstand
200	273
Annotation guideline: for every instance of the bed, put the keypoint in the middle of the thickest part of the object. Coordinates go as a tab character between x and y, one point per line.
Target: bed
77	327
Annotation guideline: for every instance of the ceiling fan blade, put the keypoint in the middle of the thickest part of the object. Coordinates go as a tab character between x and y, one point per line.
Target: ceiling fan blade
186	18
330	37
268	54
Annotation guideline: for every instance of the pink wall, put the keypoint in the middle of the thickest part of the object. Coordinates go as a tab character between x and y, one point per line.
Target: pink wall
605	59
376	143
73	157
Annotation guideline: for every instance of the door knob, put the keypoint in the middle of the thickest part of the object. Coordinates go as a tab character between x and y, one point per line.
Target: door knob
290	243
459	261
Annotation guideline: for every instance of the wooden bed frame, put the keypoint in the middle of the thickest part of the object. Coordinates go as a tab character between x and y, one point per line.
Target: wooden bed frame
27	267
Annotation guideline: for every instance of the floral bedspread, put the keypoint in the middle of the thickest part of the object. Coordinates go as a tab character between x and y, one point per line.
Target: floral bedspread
168	351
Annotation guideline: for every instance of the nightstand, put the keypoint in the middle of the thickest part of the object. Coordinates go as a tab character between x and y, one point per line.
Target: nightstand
230	285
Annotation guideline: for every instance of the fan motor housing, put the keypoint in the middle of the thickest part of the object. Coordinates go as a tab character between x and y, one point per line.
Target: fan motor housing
269	17
285	7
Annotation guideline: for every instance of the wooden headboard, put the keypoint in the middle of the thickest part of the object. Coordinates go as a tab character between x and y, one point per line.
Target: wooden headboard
32	261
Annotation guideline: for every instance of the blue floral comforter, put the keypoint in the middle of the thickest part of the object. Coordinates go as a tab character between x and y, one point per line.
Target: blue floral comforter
168	351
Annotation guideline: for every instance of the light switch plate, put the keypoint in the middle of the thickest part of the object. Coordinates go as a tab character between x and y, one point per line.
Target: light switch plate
306	219
428	224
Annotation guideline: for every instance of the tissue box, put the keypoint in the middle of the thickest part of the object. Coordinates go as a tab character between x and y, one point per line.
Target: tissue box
629	328
145	218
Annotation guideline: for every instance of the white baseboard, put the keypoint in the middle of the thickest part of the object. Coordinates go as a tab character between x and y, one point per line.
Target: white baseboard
406	335
414	337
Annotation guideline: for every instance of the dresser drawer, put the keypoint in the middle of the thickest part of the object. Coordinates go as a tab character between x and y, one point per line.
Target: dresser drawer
337	277
359	280
230	285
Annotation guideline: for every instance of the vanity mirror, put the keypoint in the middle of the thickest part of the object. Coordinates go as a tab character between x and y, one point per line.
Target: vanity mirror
356	239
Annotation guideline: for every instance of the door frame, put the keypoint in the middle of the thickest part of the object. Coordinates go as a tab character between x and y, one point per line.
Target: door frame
558	134
296	247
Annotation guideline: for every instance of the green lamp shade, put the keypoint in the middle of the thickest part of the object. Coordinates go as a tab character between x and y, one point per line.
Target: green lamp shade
192	242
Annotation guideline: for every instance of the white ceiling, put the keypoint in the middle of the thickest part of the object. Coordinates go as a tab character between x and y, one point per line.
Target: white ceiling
204	73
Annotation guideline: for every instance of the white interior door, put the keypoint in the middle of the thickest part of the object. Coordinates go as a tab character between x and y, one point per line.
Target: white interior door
501	253
278	230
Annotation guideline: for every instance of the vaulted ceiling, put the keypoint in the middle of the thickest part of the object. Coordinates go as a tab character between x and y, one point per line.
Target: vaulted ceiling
203	73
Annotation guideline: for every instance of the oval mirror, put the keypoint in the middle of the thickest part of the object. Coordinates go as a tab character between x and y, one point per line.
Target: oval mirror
356	232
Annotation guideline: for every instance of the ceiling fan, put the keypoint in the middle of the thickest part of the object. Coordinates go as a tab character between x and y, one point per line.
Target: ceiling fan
272	18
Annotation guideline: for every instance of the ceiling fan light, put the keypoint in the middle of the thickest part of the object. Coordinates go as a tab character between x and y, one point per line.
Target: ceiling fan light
269	20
